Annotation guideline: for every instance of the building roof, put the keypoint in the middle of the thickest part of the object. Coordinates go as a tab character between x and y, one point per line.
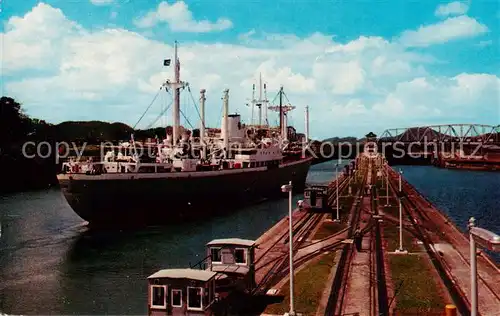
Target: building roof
232	241
370	135
193	274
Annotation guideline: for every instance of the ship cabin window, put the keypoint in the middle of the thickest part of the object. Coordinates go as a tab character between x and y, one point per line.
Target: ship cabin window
195	295
215	255
176	298
240	256
158	296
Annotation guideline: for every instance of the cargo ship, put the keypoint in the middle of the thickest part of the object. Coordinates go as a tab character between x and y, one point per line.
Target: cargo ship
186	177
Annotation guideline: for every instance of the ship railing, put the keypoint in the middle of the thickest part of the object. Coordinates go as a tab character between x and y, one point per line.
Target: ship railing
99	167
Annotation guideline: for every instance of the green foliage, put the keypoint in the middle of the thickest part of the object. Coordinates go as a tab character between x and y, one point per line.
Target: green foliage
16	127
92	131
14	124
336	140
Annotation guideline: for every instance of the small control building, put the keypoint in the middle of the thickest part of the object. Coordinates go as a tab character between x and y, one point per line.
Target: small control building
181	292
370	147
316	198
234	260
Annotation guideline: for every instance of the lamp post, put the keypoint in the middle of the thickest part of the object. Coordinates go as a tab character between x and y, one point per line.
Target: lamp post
386	185
351	174
400	250
288	188
486	239
337	191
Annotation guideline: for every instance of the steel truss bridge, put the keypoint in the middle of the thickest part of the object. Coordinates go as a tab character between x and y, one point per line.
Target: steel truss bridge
459	133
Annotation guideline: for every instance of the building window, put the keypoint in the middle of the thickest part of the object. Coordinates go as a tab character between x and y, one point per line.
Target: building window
240	256
159	296
215	255
194	298
176	298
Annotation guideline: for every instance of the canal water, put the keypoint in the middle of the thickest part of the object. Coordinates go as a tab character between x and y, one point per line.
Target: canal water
51	264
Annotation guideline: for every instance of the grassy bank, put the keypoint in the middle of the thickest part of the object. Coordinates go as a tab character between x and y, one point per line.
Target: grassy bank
310	283
412	275
418	291
328	228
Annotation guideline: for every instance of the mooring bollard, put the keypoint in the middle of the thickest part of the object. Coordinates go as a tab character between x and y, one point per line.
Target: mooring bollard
450	310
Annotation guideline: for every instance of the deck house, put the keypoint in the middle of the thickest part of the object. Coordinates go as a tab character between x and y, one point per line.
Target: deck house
234	259
181	292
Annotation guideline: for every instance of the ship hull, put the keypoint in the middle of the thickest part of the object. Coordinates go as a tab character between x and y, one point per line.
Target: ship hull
145	199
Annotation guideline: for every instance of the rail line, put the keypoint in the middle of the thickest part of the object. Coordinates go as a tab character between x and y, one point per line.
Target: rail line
456	293
337	293
381	288
302	217
301	232
301	228
413	210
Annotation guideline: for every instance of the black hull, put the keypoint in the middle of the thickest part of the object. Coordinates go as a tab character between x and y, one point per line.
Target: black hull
112	202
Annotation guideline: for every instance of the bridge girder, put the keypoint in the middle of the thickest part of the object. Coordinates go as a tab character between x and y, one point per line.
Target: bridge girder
487	134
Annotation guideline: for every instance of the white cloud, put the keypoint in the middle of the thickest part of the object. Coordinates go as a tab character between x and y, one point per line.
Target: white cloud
463	98
29	41
101	2
180	19
452	8
442	32
366	84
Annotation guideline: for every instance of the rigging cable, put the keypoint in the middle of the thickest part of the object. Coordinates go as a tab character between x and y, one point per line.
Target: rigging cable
149	106
161	114
220	116
195	106
185	118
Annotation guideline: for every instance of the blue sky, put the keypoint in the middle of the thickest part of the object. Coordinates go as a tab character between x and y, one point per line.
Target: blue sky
359	65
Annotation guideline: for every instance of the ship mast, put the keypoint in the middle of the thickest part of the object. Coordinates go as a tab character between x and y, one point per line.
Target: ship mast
283	110
253	101
260	99
202	127
260	102
266	101
177	73
176	85
226	123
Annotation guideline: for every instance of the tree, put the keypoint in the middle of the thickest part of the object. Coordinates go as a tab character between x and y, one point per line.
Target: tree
14	124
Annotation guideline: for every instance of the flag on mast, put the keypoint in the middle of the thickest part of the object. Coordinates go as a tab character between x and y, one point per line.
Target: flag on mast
166	62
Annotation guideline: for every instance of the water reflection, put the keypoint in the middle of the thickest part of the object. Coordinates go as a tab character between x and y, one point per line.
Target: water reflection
105	272
50	263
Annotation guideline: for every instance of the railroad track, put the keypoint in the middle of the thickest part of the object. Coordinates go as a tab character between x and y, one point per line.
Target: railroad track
337	292
380	290
332	196
412	208
302	229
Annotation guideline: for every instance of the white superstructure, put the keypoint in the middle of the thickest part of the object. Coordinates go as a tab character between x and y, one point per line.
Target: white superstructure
236	146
